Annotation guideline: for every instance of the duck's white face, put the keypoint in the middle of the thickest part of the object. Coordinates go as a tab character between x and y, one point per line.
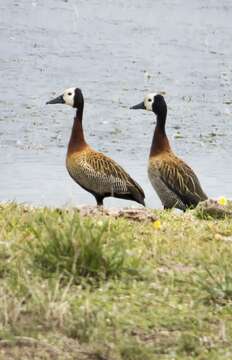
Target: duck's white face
68	96
149	100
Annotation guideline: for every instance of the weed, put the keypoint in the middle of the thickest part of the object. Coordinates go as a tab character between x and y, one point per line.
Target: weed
78	248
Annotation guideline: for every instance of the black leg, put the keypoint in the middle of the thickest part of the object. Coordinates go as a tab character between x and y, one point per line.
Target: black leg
99	200
167	208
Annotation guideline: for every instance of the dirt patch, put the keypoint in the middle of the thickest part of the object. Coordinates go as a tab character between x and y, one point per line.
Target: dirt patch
139	214
26	348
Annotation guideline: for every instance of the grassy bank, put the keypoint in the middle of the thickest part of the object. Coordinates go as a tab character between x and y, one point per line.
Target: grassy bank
82	288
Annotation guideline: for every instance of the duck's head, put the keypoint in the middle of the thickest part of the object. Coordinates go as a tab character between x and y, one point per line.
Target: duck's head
72	97
152	102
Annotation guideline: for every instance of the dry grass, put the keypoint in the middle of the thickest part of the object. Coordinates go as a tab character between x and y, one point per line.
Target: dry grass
105	288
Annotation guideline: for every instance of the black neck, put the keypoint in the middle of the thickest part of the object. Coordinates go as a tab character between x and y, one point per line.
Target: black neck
79	112
161	120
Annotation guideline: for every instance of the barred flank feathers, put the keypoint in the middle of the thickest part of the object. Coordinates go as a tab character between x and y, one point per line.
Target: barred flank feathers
101	175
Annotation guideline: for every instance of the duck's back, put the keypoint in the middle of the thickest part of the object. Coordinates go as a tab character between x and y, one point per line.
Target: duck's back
101	175
174	181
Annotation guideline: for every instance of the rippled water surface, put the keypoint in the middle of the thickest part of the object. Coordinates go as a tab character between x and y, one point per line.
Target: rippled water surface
107	48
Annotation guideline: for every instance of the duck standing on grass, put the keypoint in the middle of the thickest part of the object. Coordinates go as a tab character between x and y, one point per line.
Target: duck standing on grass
174	181
92	170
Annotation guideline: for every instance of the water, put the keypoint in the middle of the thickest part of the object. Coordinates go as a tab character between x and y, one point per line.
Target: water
104	47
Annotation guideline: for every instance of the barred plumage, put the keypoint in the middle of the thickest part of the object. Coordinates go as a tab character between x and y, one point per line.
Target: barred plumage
102	176
175	182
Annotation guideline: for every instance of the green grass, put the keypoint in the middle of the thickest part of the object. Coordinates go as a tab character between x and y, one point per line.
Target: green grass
100	288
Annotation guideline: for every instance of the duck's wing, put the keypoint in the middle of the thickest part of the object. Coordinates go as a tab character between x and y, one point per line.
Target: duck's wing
181	180
106	176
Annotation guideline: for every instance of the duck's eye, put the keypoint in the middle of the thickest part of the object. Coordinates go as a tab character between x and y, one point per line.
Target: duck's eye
149	100
69	94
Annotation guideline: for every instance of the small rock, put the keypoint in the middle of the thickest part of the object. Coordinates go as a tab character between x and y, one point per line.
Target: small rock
212	208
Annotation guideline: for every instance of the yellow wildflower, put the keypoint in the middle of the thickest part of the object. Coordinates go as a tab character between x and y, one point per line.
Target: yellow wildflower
222	201
157	224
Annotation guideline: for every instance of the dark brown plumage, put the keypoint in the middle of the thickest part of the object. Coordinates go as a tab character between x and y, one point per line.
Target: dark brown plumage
92	170
174	181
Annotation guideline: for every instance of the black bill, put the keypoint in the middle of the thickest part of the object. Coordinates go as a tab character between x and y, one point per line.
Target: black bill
138	106
58	100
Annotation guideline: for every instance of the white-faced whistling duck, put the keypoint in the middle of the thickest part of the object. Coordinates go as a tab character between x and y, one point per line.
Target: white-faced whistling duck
174	181
92	170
